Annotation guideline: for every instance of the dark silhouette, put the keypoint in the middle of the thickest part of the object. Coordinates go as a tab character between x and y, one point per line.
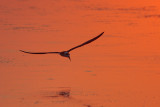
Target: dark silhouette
66	53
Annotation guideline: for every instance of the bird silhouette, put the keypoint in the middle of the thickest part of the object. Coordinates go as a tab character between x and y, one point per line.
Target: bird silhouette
66	53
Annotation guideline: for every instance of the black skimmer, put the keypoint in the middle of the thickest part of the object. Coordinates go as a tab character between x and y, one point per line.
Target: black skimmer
66	53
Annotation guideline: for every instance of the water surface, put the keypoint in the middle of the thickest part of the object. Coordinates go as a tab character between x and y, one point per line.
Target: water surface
120	69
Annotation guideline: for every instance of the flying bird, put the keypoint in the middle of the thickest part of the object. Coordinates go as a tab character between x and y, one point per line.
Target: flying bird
66	53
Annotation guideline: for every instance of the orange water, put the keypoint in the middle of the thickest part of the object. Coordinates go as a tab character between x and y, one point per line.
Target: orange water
120	69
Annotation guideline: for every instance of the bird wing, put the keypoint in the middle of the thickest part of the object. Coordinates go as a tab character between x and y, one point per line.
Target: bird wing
87	42
38	52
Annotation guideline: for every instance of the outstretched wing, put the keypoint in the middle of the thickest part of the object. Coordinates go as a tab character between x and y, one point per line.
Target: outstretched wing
89	41
38	52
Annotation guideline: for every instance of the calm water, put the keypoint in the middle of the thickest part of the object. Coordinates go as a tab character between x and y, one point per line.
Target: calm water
120	69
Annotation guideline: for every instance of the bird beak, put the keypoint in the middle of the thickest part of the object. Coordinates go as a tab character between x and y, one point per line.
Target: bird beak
69	58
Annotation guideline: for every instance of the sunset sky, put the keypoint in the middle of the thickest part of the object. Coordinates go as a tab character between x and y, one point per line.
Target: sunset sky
120	69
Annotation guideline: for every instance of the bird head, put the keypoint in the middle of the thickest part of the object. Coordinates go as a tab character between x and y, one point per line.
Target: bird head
69	57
